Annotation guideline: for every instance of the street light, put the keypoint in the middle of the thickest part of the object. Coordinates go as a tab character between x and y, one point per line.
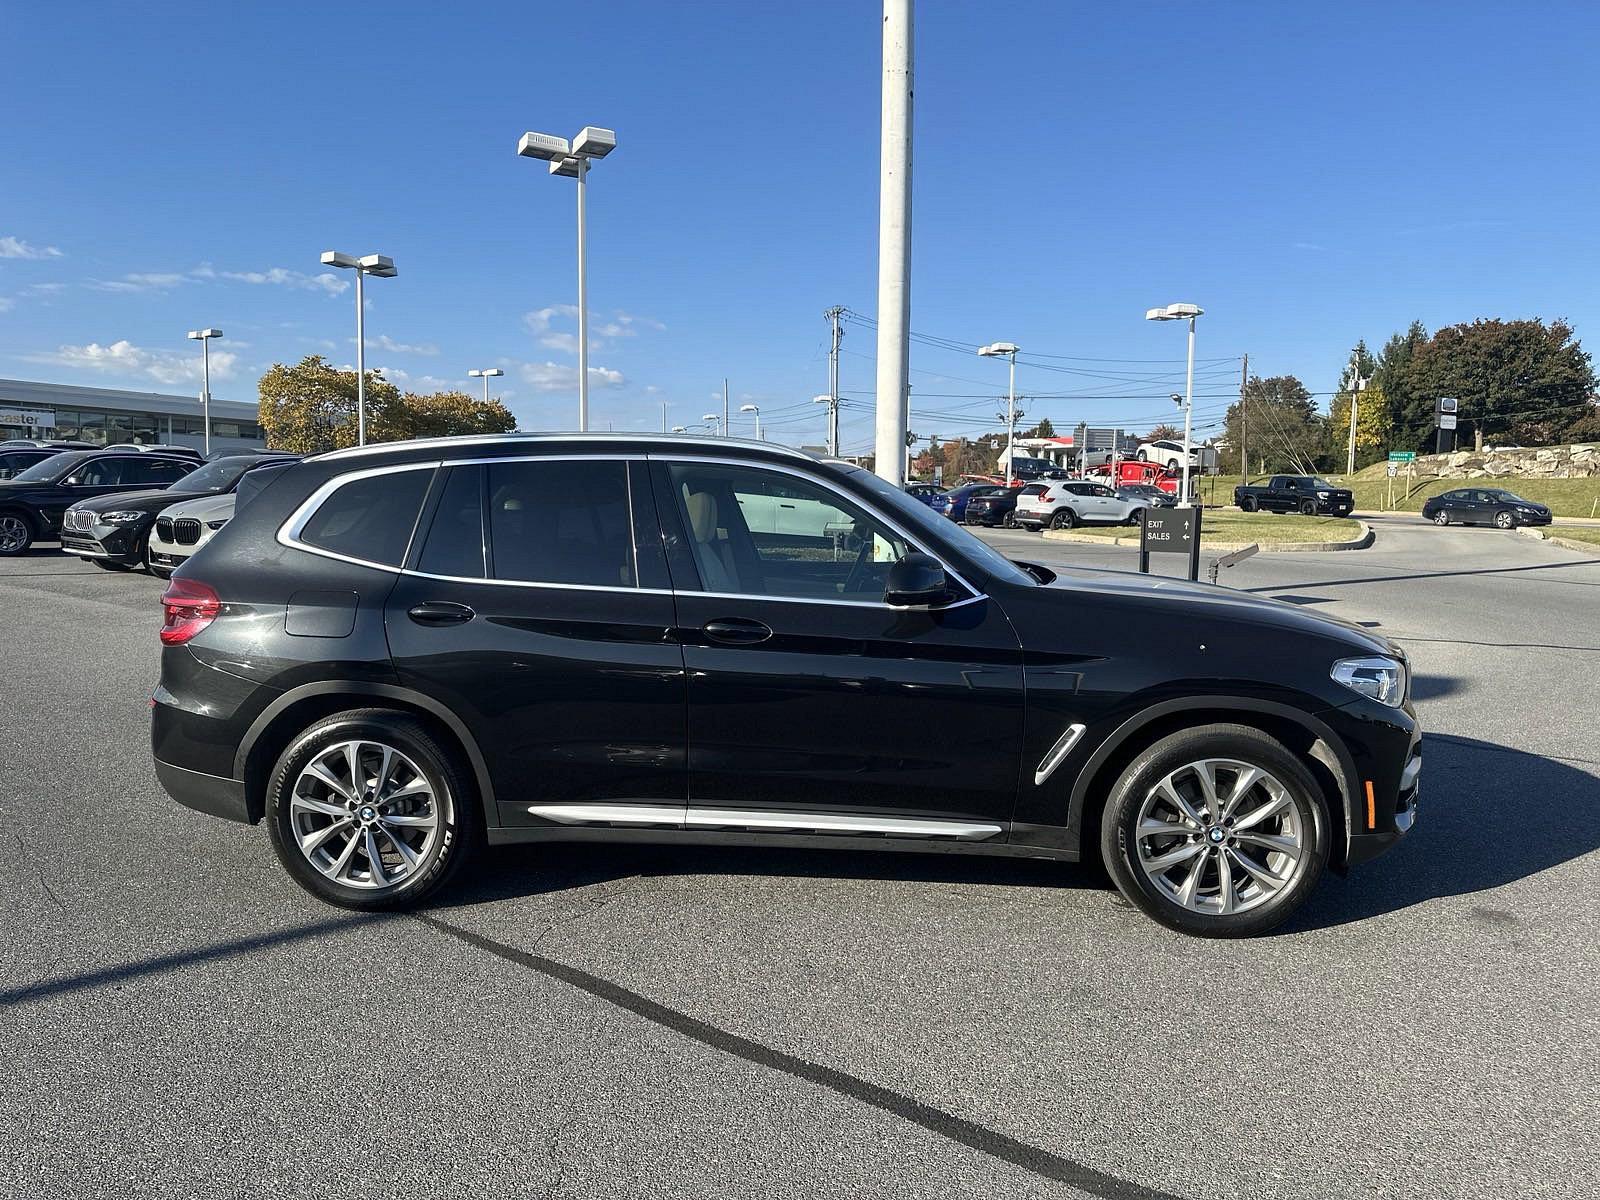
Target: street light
1007	350
204	336
380	267
1183	312
572	159
753	408
713	420
486	374
680	429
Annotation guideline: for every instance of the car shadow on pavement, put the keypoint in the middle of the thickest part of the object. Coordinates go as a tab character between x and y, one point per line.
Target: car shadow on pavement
1489	816
508	872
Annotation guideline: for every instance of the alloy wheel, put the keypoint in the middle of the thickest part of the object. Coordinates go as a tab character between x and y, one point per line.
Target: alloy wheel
1441	517
13	534
364	815
1220	836
1504	520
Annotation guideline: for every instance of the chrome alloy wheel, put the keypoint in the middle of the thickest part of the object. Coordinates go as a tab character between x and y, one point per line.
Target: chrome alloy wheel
13	534
1220	837
364	814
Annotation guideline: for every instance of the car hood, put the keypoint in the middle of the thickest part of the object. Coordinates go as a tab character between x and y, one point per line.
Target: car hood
1206	600
203	508
149	501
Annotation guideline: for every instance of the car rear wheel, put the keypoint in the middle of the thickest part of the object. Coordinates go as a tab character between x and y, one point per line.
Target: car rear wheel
1136	517
1248	504
1143	456
1009	520
1442	517
367	810
16	533
1063	518
1504	519
1172	464
1218	831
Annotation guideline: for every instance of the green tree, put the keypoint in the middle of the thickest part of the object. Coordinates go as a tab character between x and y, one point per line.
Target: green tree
1393	377
1163	432
444	414
1524	381
1043	428
311	406
1285	428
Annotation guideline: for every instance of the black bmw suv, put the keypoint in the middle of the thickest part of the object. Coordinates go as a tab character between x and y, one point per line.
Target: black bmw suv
114	530
33	501
397	653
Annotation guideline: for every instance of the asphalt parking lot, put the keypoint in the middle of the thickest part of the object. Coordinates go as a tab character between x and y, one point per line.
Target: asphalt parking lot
179	1019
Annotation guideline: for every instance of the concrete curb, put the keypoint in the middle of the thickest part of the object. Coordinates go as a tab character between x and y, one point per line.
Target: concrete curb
1540	535
1360	542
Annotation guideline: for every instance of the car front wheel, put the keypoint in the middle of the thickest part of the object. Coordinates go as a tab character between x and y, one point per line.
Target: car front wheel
1218	831
1308	508
16	533
367	810
1504	520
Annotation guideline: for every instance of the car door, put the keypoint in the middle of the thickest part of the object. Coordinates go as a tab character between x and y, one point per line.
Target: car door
1105	504
535	604
814	707
98	477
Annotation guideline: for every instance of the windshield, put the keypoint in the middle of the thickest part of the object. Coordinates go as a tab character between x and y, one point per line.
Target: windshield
1512	496
219	476
48	470
933	529
1319	482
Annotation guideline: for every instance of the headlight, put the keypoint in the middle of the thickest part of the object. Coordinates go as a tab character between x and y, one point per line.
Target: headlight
1381	679
1323	495
120	518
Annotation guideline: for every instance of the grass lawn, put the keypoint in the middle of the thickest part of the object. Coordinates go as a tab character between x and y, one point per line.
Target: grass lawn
1576	533
1225	527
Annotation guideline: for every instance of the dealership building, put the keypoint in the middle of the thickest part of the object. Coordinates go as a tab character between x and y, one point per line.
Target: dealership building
107	416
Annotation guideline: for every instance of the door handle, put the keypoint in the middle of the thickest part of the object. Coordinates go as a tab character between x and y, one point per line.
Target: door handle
440	612
736	631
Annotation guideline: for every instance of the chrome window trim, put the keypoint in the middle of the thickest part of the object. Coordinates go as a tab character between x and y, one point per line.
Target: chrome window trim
289	532
855	502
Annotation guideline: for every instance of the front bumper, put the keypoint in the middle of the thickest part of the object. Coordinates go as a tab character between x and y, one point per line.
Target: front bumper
204	793
116	542
1534	518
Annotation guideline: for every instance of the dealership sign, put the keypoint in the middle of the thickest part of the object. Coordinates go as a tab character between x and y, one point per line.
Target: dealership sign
33	418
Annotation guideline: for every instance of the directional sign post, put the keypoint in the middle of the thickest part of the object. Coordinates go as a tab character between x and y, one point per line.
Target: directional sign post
1170	531
1396	457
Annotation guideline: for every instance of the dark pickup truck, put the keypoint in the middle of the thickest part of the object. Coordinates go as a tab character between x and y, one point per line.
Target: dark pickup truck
1296	493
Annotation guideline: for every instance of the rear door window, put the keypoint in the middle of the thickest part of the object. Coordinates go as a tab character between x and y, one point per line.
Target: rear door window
369	518
561	521
455	542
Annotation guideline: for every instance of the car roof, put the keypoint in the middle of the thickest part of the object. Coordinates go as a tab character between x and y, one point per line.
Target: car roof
663	443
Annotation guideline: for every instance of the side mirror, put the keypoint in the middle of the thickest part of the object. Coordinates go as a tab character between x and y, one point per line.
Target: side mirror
916	581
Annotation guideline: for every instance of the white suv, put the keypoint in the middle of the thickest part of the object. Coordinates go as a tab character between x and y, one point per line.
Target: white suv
1070	502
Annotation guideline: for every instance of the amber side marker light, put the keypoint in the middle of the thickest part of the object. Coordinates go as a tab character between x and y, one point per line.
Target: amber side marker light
1372	808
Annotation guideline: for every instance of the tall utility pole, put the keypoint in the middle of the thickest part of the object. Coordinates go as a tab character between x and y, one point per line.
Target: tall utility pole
1244	443
663	416
1356	384
724	406
894	242
833	315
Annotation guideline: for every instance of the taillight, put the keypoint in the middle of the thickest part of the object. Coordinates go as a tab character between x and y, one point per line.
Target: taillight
187	607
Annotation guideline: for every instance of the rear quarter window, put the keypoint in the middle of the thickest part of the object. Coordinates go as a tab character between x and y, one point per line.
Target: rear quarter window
369	517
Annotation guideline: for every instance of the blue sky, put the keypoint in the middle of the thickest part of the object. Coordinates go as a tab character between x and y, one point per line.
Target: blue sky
1309	174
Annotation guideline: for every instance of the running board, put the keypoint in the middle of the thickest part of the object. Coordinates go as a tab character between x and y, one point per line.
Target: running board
742	818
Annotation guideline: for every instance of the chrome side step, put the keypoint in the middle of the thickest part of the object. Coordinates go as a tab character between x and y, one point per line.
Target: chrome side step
742	818
1057	754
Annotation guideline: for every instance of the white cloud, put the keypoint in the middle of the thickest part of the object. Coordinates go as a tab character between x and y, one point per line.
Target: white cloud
44	289
392	374
542	324
325	282
144	281
7	303
384	342
124	358
558	377
14	247
539	320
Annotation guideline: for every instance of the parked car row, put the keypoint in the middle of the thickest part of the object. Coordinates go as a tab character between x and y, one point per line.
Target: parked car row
121	507
1058	504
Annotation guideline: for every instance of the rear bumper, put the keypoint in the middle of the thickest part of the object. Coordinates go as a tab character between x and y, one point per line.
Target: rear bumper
204	793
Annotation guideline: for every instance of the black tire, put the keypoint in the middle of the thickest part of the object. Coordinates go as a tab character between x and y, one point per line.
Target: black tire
1239	743
1172	464
1308	508
17	533
1063	518
1136	517
1505	519
1009	520
459	824
1248	504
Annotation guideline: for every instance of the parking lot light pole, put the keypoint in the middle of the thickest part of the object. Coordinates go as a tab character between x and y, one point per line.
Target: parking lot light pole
1183	312
382	267
1007	350
204	336
753	408
572	159
712	420
486	374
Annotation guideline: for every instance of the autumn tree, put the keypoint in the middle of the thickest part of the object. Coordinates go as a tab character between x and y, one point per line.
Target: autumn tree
1163	432
1285	428
1372	427
311	407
